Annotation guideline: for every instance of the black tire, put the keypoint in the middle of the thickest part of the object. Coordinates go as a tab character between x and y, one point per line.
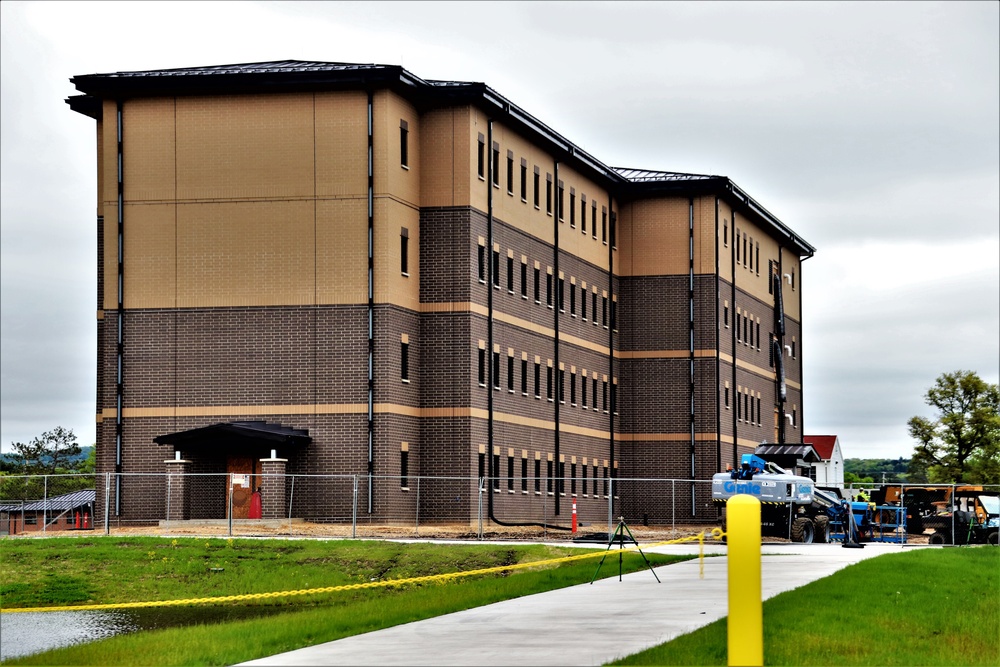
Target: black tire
993	538
822	529
803	530
939	537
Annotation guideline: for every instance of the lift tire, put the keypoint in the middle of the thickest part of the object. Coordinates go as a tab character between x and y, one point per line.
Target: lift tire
993	538
803	530
822	530
938	537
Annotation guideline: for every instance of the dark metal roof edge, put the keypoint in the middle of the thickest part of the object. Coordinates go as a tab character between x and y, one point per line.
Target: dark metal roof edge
426	90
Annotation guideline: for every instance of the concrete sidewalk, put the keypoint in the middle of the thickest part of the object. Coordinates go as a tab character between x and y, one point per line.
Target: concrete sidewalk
585	624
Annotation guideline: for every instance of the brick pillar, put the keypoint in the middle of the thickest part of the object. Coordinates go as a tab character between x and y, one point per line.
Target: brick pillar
273	496
177	489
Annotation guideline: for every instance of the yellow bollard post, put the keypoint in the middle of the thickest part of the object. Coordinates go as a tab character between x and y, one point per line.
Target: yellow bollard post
746	615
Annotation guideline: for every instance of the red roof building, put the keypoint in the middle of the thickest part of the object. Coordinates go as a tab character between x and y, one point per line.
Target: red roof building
830	470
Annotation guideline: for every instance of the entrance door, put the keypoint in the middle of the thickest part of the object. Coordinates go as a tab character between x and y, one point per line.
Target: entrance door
243	479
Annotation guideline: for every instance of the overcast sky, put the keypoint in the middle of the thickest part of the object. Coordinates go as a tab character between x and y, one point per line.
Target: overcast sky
871	129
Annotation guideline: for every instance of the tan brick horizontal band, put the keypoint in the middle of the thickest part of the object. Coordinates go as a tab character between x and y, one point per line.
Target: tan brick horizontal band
392	409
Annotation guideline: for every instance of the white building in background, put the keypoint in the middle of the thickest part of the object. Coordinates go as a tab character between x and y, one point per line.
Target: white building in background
830	468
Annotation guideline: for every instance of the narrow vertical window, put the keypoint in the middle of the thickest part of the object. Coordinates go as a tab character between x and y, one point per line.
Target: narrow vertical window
560	197
548	477
482	462
758	334
524	376
725	315
614	398
583	213
594	399
572	388
496	268
481	158
538	475
614	230
751	255
604	395
572	300
572	208
562	385
404	143
725	233
572	479
583	303
561	479
548	289
496	370
737	244
606	480
404	251
496	469
593	219
510	473
510	372
604	312
536	189
510	274
404	360
524	474
562	295
548	193
538	380
583	389
604	224
538	296
614	315
482	264
482	367
510	173
593	310
524	278
404	466
726	396
583	477
524	180
548	382
757	249
496	165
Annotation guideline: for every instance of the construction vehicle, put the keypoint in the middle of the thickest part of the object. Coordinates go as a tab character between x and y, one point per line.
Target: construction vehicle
792	507
949	514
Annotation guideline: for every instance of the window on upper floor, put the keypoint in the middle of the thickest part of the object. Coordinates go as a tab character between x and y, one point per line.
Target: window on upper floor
524	180
496	164
404	144
481	158
510	173
404	251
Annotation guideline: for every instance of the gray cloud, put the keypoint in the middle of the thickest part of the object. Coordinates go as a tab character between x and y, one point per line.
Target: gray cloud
870	128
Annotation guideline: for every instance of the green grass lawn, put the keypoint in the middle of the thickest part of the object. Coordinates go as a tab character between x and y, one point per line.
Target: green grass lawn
55	571
922	607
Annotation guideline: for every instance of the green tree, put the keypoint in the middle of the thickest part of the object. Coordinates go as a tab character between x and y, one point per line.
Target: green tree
50	453
963	443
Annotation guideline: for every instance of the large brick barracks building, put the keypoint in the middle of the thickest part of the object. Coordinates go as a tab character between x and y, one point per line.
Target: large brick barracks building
327	268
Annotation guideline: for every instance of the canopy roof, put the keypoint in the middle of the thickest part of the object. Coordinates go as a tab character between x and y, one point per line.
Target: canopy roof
788	455
240	434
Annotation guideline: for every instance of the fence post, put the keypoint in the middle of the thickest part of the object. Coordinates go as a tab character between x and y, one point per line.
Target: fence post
416	528
479	512
291	498
611	508
354	508
45	502
107	503
746	618
673	504
230	478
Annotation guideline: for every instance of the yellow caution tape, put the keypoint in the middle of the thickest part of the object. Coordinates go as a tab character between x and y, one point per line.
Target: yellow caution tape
700	538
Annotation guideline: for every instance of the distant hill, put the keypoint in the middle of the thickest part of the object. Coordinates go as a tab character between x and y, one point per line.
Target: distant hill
893	470
8	459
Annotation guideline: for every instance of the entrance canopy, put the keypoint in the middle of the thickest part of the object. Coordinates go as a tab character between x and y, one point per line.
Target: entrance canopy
237	434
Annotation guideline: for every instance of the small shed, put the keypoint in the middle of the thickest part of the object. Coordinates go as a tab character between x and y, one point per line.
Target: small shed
830	469
70	511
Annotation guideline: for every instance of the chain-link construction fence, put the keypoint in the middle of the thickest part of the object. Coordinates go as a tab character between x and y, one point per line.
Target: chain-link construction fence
363	506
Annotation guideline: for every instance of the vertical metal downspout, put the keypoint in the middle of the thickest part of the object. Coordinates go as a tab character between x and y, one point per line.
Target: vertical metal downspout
691	389
371	305
120	343
612	223
732	337
718	351
560	301
490	472
779	358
